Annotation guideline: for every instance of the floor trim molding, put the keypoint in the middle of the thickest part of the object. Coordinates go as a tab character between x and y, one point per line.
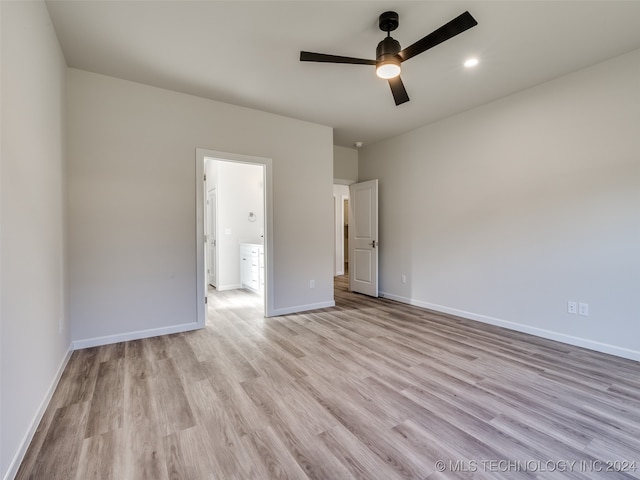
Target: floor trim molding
302	308
519	327
15	463
228	287
137	335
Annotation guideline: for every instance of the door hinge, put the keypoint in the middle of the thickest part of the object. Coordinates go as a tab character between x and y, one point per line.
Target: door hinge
205	300
205	177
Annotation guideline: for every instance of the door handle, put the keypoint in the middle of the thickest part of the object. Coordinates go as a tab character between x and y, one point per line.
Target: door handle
373	244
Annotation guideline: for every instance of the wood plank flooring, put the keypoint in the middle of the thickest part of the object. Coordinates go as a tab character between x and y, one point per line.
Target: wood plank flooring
371	389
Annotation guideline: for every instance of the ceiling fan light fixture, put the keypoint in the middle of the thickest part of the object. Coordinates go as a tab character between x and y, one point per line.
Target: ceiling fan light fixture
471	62
388	68
387	59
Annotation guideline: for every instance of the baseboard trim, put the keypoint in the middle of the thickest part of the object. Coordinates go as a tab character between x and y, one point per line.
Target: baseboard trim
519	327
301	308
228	287
12	471
137	335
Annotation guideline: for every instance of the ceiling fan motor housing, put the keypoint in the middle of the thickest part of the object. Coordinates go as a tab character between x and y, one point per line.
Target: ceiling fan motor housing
389	47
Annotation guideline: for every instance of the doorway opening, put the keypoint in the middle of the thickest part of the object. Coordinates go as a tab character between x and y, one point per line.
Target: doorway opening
233	221
356	235
341	229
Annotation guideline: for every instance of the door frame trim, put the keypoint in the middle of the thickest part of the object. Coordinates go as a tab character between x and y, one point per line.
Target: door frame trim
207	254
201	286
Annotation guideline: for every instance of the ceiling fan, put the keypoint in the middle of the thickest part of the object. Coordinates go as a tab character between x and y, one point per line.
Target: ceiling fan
388	54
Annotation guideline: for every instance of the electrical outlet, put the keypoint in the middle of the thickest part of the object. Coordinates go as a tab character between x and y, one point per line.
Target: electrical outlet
312	284
583	309
403	278
572	308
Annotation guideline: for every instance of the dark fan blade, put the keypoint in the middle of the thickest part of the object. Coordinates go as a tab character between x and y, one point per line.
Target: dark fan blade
445	32
398	90
323	57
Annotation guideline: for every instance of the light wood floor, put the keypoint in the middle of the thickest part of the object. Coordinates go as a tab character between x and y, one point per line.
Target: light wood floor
372	389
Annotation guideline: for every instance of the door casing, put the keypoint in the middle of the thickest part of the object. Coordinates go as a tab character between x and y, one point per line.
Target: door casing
201	283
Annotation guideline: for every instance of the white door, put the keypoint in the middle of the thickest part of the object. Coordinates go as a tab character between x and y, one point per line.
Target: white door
212	267
363	238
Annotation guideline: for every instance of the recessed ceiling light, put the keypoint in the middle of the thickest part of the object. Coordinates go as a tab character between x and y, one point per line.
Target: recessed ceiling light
471	62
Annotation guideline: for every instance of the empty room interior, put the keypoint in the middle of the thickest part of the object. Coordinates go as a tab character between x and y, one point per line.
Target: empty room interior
416	252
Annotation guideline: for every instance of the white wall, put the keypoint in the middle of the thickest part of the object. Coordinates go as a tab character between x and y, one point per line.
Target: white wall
345	164
240	191
34	326
506	212
132	204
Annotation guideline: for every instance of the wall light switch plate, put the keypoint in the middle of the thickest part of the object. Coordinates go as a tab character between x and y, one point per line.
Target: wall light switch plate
583	309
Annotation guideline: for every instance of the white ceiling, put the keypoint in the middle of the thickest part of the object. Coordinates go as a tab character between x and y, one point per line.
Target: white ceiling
247	53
